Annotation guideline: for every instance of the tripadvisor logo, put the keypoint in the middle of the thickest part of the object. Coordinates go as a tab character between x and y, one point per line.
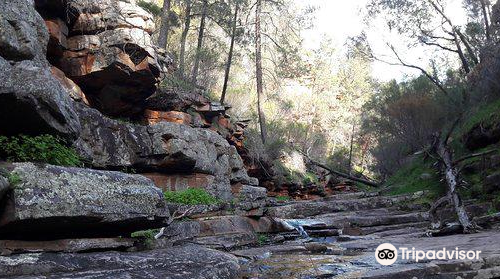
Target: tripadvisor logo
387	254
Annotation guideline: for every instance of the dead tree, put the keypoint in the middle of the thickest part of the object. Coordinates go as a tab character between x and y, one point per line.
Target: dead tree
441	151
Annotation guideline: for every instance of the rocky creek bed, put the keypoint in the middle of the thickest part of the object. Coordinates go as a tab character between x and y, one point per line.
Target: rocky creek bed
340	244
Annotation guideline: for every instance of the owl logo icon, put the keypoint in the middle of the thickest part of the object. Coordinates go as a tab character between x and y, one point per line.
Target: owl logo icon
386	254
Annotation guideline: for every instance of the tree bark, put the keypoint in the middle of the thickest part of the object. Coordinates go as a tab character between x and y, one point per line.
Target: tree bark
185	31
451	177
463	59
351	149
258	70
194	75
163	36
484	9
230	56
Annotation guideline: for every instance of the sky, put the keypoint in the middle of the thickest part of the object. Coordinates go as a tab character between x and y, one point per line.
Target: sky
340	19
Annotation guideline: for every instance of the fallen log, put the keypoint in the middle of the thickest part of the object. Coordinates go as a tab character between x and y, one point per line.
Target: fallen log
341	174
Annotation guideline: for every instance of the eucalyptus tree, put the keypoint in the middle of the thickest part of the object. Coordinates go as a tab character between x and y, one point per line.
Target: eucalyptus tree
428	23
164	25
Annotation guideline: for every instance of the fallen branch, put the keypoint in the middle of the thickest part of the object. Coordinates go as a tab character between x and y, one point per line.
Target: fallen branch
459	160
175	216
341	174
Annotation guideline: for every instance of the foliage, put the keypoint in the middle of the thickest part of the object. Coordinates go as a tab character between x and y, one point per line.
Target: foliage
192	196
148	234
151	7
403	115
14	179
146	237
485	115
417	176
282	198
44	148
262	239
175	81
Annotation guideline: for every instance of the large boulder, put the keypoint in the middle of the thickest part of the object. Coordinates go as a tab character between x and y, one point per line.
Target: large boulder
176	99
183	262
32	101
167	148
52	202
106	48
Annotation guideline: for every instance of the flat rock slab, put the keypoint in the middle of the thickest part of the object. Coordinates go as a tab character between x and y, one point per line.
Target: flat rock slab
8	247
52	202
184	262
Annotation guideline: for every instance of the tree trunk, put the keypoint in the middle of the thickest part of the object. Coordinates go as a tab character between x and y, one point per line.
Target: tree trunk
230	56
484	9
185	31
258	71
194	75
463	59
467	45
351	149
163	36
451	177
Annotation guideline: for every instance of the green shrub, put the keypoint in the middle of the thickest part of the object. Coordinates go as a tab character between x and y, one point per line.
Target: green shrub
44	148
262	239
309	178
409	179
147	234
282	198
146	238
192	196
174	81
14	179
150	7
487	115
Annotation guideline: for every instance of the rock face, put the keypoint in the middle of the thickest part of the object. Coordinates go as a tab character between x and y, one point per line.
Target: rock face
31	99
107	50
167	148
185	262
62	202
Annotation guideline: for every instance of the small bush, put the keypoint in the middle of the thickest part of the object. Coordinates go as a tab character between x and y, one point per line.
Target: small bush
485	115
147	234
44	148
193	196
146	238
14	179
282	198
150	7
409	179
262	239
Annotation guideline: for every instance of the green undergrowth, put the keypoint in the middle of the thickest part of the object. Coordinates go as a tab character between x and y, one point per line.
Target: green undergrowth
14	179
192	196
150	7
262	239
415	177
43	148
282	198
146	237
294	177
488	114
